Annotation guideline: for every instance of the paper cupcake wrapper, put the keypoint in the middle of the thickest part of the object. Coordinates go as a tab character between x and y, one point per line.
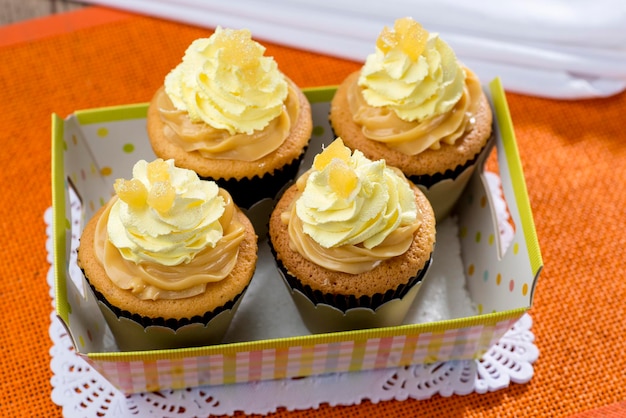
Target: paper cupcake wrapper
345	302
134	332
443	190
248	191
332	313
323	312
322	318
428	180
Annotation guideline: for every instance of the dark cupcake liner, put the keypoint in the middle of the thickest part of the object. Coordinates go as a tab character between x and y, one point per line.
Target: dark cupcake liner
428	180
171	323
345	302
248	191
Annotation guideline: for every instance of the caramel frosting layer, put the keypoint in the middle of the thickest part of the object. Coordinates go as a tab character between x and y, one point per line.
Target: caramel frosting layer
382	124
167	233
217	143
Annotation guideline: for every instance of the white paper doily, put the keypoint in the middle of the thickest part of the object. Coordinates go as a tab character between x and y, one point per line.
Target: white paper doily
82	391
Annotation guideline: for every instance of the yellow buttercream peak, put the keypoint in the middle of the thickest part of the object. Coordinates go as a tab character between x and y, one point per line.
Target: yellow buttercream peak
226	82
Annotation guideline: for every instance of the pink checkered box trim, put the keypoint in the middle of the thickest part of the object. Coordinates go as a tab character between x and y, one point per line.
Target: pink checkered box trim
302	360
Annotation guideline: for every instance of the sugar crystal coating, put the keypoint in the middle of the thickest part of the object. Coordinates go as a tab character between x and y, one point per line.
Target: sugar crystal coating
158	171
237	47
132	192
335	150
406	34
342	179
161	196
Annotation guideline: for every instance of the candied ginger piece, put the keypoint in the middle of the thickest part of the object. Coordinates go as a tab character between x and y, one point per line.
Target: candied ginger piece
407	35
386	40
342	179
158	170
237	47
132	192
335	150
161	196
413	37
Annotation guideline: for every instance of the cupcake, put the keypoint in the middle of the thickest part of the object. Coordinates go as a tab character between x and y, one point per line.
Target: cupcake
416	106
228	113
168	258
353	239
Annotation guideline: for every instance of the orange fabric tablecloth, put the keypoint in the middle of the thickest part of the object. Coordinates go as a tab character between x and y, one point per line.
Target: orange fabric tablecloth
573	154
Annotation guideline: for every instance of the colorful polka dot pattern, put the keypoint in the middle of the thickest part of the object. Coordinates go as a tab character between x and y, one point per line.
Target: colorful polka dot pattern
499	276
103	151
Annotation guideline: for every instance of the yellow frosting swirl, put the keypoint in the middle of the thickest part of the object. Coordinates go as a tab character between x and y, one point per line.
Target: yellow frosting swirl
167	233
226	82
351	213
413	73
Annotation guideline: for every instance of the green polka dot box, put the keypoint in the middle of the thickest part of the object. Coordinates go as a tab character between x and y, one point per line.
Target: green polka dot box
267	339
